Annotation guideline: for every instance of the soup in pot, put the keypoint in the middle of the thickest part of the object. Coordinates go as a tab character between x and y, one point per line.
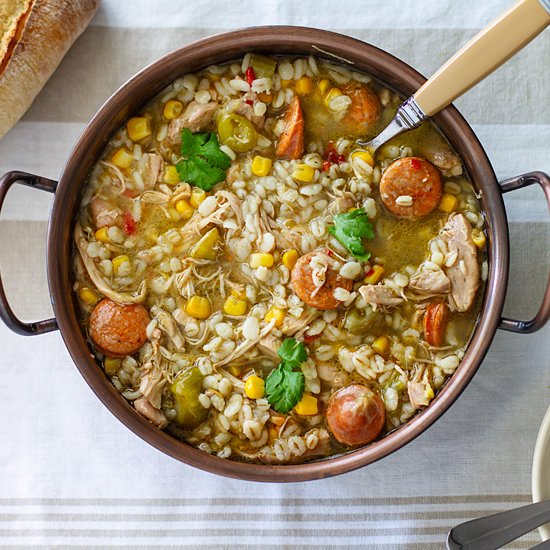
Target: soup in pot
259	286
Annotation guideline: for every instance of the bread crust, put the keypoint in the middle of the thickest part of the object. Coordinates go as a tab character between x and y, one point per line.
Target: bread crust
39	39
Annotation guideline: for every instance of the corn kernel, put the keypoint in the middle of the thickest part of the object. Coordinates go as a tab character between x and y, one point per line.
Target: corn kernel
239	294
332	94
303	173
261	166
234	306
112	365
374	275
172	109
197	196
261	259
265	98
479	238
323	85
381	345
171	176
448	203
102	234
205	249
118	261
88	296
122	158
289	259
138	128
285	84
235	370
275	313
307	406
365	156
184	209
304	85
254	387
198	307
277	419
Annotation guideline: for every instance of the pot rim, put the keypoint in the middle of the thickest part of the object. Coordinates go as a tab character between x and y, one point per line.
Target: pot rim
286	40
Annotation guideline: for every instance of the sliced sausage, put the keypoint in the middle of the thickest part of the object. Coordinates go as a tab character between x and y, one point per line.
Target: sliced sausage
355	415
435	323
118	330
320	298
291	142
364	108
414	178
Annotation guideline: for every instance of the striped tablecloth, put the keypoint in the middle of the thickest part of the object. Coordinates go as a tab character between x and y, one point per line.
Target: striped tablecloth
71	475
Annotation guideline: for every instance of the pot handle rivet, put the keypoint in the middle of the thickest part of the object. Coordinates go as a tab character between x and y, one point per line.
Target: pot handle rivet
543	314
6	313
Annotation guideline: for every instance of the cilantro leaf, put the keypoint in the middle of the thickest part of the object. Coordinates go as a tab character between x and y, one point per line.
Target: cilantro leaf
199	172
350	229
292	352
284	388
204	163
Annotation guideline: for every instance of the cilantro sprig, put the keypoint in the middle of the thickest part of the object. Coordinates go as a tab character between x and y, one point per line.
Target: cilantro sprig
350	229
204	164
284	386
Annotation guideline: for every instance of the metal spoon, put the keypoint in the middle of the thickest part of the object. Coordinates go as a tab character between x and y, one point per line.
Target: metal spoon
484	53
492	532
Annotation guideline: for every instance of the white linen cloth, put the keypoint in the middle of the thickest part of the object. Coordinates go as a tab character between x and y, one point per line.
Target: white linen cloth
72	476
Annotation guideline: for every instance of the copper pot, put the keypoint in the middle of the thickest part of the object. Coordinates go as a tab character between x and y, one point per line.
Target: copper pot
218	49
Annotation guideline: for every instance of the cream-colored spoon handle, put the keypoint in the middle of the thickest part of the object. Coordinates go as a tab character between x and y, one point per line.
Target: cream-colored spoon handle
484	53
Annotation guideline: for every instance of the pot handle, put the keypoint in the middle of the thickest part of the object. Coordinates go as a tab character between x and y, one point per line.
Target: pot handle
6	313
543	314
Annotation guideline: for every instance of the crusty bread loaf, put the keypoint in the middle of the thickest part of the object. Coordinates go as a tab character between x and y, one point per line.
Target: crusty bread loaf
34	37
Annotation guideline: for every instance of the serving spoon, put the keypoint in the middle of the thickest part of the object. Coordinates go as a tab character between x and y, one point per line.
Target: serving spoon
484	53
493	532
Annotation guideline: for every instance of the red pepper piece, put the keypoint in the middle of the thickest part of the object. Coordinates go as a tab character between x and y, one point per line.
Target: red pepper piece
309	339
250	75
130	227
341	159
326	165
249	101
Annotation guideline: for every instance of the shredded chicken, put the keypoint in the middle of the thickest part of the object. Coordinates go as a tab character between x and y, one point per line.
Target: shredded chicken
152	170
244	346
419	394
197	117
269	346
463	274
430	283
246	110
98	279
341	204
331	374
152	384
446	161
103	213
168	325
379	295
292	326
144	407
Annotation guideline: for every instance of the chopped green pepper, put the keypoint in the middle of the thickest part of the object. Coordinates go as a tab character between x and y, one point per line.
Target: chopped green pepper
186	389
358	322
237	132
262	65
